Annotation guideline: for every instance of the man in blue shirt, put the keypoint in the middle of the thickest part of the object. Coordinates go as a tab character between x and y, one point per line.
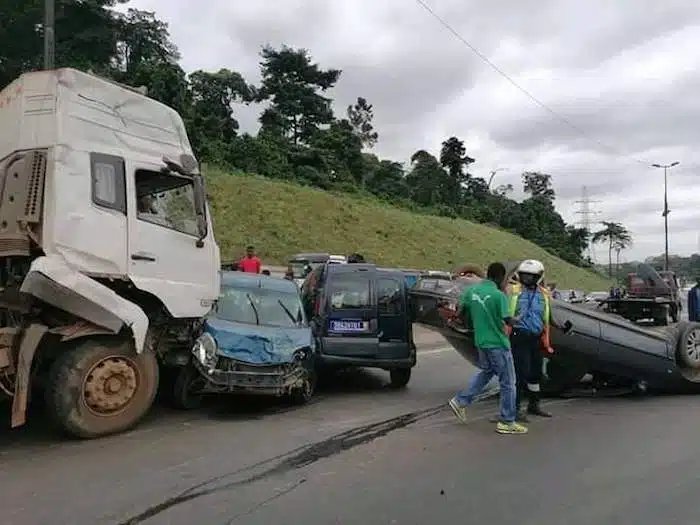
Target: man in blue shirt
694	301
530	306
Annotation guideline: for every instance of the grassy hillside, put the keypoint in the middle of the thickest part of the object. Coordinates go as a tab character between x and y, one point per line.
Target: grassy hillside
281	219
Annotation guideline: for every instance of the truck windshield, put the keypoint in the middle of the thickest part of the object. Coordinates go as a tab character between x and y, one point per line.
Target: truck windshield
259	307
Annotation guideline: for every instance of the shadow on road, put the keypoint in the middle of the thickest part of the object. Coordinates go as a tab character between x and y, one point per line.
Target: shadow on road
39	432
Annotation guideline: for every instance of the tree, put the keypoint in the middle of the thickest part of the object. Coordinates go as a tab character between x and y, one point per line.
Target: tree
143	39
360	116
613	233
619	245
538	185
211	124
427	181
86	35
291	82
454	159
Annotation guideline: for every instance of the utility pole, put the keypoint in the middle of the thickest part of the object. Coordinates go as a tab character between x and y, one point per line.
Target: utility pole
587	215
666	211
49	33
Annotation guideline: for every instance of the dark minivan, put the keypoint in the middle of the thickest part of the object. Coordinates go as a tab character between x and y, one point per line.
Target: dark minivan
360	317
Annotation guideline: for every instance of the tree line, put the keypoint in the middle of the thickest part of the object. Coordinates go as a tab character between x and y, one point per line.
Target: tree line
300	136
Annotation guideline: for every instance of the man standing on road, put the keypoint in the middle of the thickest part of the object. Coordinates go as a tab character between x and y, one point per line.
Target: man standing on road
530	304
486	306
250	263
694	301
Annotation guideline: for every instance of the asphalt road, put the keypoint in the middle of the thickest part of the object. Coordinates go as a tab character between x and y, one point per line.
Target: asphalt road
362	453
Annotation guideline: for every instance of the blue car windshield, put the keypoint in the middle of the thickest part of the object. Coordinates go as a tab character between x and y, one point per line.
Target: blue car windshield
259	306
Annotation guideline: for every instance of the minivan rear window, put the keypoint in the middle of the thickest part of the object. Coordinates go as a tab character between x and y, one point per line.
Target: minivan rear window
348	291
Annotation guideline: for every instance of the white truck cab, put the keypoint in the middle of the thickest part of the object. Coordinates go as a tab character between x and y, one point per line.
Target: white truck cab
107	249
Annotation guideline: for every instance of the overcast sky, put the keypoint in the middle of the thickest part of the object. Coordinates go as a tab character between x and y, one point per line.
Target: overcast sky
625	73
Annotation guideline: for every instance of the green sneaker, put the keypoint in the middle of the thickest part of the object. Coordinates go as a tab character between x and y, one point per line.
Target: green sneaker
460	412
511	428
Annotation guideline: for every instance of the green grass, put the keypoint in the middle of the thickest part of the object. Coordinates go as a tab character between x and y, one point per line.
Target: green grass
281	219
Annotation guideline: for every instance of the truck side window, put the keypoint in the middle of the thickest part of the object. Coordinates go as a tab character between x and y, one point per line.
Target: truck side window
166	200
108	181
389	296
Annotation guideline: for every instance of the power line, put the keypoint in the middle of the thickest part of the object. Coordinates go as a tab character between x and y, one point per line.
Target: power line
532	97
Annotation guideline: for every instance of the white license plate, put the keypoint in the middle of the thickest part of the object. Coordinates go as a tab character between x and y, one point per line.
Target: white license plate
348	326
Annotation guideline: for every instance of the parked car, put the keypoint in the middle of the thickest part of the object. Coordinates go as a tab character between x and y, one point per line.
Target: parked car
596	297
301	264
585	341
359	316
255	341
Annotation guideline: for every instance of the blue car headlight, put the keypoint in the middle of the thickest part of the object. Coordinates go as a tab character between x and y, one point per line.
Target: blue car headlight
301	354
204	350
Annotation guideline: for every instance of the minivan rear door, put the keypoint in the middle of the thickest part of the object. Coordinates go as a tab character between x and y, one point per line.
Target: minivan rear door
350	315
394	324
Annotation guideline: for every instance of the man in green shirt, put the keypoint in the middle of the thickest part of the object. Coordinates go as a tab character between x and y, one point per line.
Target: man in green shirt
486	306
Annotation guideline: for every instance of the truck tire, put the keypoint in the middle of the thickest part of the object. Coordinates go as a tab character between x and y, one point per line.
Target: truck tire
400	377
101	386
688	346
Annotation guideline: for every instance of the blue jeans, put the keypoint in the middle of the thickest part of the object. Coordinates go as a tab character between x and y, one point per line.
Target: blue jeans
493	362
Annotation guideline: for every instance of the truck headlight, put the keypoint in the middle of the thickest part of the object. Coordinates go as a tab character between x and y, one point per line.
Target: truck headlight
204	350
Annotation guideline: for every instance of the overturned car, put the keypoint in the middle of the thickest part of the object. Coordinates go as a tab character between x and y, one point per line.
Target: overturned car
586	341
255	341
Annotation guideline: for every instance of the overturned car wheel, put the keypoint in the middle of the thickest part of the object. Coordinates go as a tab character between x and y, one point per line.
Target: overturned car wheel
688	346
101	386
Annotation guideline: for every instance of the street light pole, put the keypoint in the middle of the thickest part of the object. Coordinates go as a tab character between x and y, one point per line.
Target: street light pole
666	167
49	34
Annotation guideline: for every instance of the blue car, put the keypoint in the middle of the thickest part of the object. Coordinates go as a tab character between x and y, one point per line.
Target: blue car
256	340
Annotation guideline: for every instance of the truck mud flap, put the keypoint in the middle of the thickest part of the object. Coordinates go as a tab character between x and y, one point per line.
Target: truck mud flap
30	342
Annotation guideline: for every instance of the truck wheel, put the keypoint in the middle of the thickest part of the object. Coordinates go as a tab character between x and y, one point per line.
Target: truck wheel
188	384
400	377
100	387
688	346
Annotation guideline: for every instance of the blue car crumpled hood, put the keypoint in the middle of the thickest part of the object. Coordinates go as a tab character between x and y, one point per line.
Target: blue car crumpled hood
257	345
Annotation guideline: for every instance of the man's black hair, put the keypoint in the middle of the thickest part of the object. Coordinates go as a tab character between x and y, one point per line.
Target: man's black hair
496	272
250	247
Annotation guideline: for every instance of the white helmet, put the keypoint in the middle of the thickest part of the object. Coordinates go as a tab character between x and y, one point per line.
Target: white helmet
531	267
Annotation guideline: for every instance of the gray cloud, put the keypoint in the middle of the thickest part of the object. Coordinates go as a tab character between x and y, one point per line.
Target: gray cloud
624	72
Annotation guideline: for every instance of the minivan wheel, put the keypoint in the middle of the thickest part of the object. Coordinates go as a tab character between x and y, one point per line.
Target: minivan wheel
400	377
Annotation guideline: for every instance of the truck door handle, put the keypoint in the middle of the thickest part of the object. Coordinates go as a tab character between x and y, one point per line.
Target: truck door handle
143	257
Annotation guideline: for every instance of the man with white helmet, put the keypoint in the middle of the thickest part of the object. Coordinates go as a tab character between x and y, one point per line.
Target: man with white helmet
530	305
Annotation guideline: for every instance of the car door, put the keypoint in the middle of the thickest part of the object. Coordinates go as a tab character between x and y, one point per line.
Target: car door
165	257
393	335
349	317
631	351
